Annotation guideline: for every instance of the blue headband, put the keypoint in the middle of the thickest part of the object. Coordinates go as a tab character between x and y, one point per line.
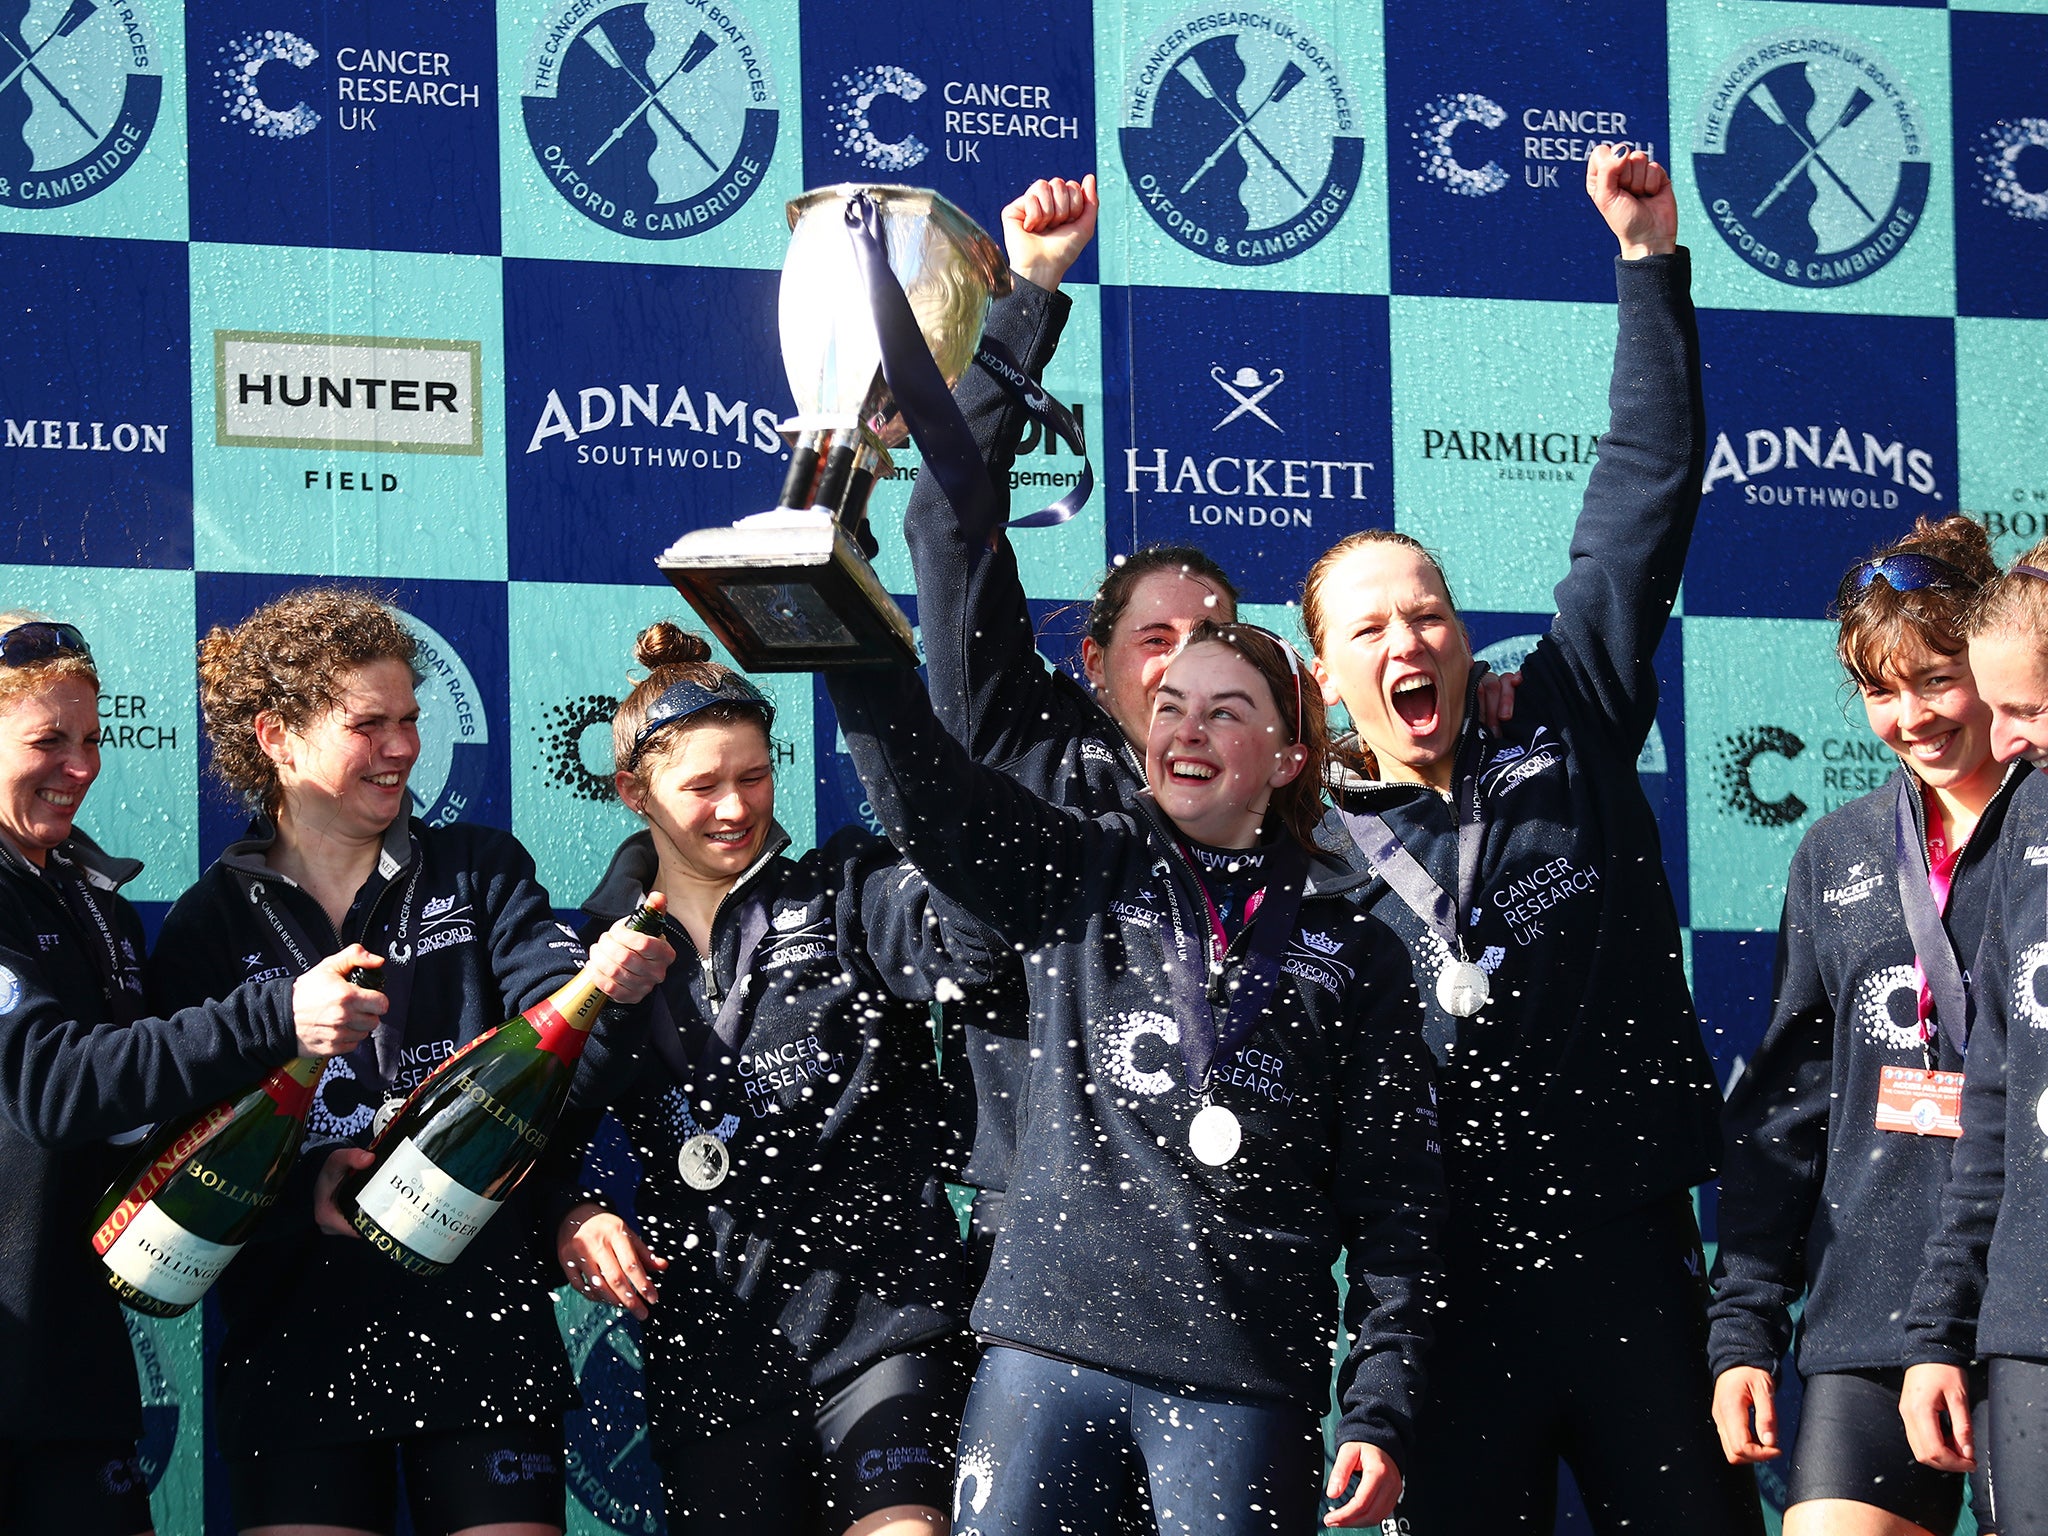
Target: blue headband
684	698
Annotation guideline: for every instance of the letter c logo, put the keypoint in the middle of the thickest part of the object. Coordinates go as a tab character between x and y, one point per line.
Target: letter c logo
1437	121
1739	753
242	60
848	114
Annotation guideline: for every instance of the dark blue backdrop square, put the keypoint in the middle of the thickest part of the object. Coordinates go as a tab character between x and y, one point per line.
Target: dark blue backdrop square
2001	163
977	104
1872	398
292	145
640	403
96	392
1489	115
1259	429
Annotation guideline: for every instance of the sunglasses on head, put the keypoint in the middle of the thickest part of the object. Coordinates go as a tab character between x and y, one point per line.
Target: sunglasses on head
26	644
1905	572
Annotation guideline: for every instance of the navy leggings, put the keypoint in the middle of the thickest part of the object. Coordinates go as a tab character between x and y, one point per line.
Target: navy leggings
1046	1448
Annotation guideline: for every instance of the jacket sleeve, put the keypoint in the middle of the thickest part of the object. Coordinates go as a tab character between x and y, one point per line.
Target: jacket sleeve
1775	1134
916	938
1013	860
989	686
1642	498
1390	1191
65	1082
1941	1320
531	953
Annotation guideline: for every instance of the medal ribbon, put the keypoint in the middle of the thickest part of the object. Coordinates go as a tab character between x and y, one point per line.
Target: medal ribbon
394	978
1444	913
1941	974
1195	999
76	893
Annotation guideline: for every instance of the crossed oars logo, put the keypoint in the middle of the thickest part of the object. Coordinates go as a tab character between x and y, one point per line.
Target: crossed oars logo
1860	99
701	48
1190	70
73	18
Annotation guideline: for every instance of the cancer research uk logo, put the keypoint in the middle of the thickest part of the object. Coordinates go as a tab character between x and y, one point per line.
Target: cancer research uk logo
1812	158
2012	168
1542	138
656	120
80	86
1241	135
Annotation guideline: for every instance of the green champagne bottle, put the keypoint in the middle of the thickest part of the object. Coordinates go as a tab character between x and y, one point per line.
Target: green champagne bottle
191	1196
469	1133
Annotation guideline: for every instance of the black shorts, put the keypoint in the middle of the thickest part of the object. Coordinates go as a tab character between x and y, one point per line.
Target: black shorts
882	1438
452	1481
1851	1444
72	1488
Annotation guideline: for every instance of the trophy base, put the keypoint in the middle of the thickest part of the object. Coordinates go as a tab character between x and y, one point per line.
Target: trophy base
789	591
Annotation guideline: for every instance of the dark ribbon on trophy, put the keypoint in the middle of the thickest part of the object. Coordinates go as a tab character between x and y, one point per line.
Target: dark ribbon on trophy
928	407
1001	365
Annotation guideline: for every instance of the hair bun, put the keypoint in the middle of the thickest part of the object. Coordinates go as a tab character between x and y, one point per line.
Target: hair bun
668	644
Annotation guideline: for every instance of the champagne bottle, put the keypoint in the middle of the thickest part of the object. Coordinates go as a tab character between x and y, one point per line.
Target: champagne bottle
468	1134
191	1196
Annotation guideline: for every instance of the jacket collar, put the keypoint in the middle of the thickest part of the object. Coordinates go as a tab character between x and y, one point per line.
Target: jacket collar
102	870
1326	876
248	854
633	867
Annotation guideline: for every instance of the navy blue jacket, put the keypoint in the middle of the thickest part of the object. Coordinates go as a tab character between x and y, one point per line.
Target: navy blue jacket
1120	1250
831	1243
1815	1199
75	1070
1584	1090
1983	1288
327	1341
997	697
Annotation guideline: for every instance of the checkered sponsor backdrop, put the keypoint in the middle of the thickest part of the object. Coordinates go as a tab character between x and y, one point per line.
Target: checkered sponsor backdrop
474	305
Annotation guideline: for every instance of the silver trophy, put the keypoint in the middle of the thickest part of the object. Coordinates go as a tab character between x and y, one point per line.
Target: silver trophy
788	590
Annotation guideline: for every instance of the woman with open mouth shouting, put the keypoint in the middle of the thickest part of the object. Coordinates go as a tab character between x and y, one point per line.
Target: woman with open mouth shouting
343	1378
1228	1089
1841	1126
1522	868
790	1243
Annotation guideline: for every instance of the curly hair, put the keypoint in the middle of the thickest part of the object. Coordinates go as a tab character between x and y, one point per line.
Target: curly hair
288	658
1297	806
20	682
1876	622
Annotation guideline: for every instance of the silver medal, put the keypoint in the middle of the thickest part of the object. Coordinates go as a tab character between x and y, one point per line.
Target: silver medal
1462	988
704	1161
386	1113
1214	1135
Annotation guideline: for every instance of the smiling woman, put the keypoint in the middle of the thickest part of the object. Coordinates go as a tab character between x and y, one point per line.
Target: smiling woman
80	1068
785	1103
337	1367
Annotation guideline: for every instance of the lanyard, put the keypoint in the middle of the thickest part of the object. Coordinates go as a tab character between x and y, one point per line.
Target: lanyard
387	1042
724	1034
1932	951
1246	997
1444	913
78	899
